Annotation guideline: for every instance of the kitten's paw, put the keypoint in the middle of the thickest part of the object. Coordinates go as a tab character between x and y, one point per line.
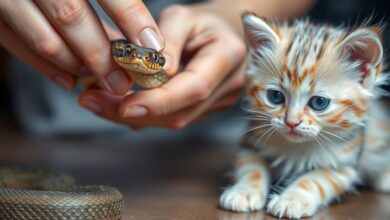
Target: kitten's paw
291	207
242	199
382	183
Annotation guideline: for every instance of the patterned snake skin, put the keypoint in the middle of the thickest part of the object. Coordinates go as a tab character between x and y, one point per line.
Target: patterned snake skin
144	65
34	194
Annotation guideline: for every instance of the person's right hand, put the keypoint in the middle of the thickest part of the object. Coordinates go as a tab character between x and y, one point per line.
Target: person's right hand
64	38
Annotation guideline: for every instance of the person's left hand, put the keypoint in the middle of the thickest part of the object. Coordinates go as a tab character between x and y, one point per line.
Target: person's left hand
211	79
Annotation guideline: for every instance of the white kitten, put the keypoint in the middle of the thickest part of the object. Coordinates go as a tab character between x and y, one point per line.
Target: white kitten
317	129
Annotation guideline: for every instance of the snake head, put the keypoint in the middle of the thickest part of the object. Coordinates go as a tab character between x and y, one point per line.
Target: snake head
136	58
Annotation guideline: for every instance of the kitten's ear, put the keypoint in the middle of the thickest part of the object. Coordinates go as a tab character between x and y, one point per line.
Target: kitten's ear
257	32
363	45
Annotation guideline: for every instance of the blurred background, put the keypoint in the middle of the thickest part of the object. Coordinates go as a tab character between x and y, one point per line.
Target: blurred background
42	126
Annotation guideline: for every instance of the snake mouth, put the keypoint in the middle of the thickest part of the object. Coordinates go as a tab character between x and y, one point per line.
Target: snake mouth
138	66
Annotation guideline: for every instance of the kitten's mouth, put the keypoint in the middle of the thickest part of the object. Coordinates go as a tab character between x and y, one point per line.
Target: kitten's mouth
293	133
294	136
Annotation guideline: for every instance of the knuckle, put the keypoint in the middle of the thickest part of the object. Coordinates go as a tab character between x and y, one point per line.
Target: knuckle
95	58
203	89
132	11
176	10
48	47
68	13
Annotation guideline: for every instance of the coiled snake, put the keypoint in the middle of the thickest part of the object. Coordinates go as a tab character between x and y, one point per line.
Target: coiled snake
34	194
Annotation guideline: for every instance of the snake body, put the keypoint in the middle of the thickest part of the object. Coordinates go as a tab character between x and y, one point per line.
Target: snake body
34	194
144	65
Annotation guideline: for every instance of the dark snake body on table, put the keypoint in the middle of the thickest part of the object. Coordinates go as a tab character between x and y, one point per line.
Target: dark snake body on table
34	194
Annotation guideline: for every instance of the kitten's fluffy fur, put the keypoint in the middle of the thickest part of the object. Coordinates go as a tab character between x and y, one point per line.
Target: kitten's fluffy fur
296	158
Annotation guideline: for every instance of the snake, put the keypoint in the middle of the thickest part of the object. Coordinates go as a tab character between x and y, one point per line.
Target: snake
34	194
143	65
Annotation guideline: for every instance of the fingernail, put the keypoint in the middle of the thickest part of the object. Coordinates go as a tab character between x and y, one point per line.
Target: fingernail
117	81
91	105
63	82
149	38
84	71
135	111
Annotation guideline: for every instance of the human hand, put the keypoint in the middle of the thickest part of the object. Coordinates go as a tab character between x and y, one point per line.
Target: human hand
63	39
211	79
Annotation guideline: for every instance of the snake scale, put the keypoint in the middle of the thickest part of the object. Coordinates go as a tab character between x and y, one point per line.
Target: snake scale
34	194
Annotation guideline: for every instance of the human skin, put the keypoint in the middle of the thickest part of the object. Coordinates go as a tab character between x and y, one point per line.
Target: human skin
213	53
62	39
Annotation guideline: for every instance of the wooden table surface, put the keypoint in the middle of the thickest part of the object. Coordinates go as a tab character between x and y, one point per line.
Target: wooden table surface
175	178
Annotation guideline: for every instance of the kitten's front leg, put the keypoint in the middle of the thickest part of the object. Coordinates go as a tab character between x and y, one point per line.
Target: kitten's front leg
250	189
311	191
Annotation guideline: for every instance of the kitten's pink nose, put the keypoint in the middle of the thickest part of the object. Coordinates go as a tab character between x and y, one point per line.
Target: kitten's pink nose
292	124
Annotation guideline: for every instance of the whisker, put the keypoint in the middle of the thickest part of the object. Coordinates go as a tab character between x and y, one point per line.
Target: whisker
256	127
269	135
334	135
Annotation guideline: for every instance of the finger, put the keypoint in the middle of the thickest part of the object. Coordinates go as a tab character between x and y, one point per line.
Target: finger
102	103
232	86
81	29
105	104
135	21
221	105
25	18
112	33
173	20
200	77
227	101
10	41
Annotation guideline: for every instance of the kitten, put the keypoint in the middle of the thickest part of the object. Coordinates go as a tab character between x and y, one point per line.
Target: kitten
317	129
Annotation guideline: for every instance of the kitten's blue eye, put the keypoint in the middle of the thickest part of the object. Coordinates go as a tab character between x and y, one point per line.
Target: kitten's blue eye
275	97
319	103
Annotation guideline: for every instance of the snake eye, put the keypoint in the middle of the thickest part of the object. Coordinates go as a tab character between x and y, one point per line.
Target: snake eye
127	51
155	57
161	61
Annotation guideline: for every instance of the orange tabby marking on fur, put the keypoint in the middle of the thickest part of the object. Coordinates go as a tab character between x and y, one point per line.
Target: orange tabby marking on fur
359	111
345	124
320	189
335	185
336	117
305	184
354	144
